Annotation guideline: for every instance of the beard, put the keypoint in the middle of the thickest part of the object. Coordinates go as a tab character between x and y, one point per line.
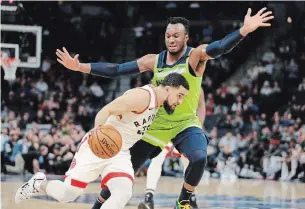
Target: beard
167	107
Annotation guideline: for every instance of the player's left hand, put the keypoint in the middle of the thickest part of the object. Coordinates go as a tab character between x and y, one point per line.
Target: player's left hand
256	21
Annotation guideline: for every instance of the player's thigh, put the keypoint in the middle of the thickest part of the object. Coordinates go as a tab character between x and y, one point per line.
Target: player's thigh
189	140
85	166
142	151
119	166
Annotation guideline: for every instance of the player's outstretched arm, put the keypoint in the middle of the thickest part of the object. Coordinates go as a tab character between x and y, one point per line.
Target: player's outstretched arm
128	102
225	45
106	69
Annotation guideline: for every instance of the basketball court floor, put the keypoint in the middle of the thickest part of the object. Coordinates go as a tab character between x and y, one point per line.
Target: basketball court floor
211	193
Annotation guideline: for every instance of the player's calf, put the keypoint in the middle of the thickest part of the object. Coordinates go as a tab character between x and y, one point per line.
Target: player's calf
61	191
103	196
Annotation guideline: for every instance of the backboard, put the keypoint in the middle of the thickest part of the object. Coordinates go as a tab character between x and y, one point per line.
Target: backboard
22	42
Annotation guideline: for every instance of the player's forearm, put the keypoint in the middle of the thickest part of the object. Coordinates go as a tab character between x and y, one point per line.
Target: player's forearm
110	70
225	45
84	67
101	117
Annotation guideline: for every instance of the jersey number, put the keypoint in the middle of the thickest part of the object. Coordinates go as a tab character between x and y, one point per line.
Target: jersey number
144	128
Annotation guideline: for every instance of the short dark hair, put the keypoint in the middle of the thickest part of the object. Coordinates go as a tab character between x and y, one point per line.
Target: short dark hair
175	80
175	20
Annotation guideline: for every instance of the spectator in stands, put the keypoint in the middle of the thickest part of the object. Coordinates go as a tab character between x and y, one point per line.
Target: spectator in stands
13	160
272	161
254	71
212	150
301	87
210	104
41	85
268	56
251	158
238	105
266	90
97	91
290	159
301	152
228	147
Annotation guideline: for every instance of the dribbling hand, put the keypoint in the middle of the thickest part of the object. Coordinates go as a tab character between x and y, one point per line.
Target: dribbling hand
256	21
64	58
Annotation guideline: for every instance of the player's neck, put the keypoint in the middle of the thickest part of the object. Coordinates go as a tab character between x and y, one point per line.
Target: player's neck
174	58
160	95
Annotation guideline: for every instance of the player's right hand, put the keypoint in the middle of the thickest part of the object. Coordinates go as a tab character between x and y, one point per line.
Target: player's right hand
64	58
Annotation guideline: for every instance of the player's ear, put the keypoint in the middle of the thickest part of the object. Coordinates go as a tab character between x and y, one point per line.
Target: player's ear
186	37
167	89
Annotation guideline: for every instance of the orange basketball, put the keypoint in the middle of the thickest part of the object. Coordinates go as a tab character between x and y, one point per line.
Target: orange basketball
105	141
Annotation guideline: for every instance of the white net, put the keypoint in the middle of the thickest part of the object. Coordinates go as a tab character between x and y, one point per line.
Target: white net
9	65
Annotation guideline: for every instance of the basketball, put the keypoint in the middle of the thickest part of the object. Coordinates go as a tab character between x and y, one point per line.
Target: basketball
105	141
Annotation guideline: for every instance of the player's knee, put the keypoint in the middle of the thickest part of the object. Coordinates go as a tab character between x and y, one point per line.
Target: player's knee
69	194
198	157
63	192
104	194
194	171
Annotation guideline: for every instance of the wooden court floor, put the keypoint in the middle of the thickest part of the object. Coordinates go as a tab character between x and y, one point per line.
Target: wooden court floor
211	193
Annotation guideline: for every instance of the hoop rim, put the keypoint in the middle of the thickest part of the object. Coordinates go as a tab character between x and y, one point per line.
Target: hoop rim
10	63
10	59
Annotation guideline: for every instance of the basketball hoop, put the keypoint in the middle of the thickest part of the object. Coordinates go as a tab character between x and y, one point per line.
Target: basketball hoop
9	65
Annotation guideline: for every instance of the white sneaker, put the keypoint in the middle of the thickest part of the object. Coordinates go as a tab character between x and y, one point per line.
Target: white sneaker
30	188
244	172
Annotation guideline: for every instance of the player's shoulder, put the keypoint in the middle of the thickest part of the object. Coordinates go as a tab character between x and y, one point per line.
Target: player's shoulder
139	92
148	89
199	54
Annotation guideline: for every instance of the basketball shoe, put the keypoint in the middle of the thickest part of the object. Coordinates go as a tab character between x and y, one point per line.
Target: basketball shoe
30	188
185	204
148	202
193	202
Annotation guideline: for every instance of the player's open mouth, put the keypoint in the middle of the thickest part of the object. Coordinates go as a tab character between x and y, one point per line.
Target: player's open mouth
172	47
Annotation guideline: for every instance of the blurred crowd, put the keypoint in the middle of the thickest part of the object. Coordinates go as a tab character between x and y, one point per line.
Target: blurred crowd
256	124
44	116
